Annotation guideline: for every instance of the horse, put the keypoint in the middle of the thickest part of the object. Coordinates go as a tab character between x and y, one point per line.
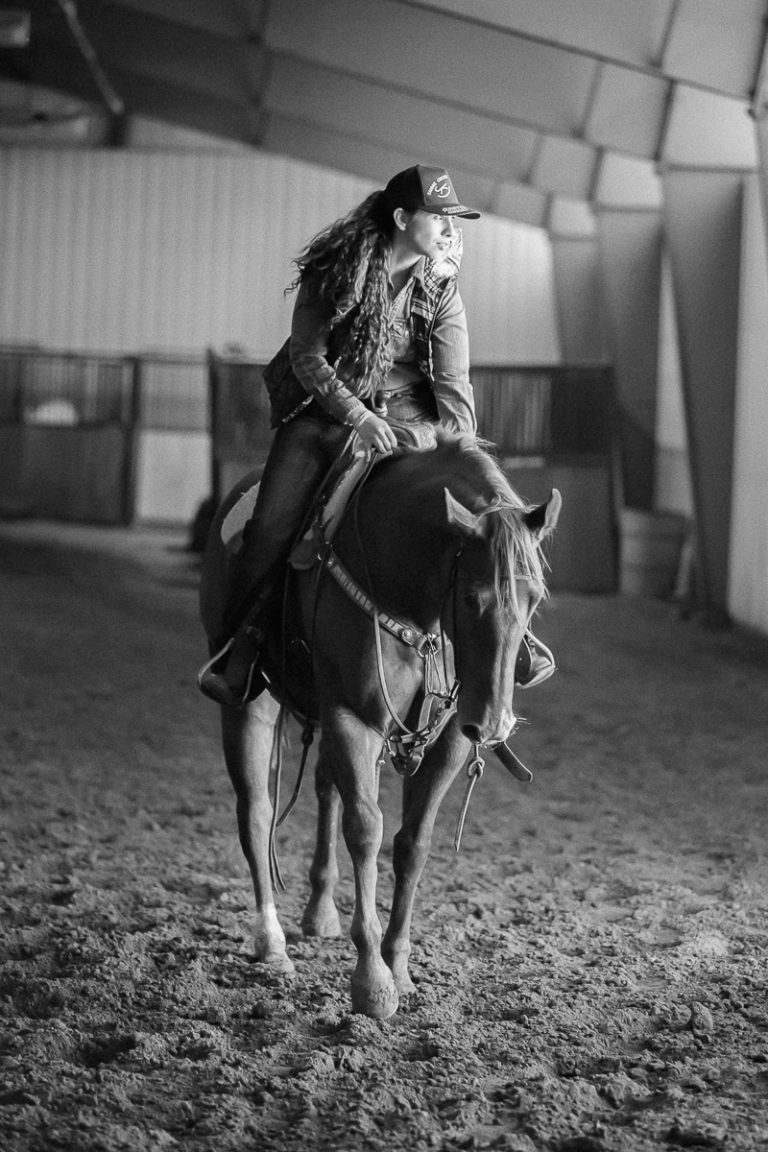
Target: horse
403	638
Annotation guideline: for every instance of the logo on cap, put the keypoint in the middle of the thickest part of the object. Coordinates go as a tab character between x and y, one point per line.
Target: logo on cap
440	187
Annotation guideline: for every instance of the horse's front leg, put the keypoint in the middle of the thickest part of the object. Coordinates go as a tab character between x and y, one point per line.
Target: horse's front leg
353	750
321	916
422	797
247	738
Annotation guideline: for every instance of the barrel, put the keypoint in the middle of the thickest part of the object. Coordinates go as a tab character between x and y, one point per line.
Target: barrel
650	550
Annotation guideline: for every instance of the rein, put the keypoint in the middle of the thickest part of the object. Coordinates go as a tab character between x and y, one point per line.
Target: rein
407	747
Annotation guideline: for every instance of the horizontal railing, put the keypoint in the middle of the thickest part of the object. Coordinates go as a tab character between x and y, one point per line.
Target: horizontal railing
549	411
553	412
68	389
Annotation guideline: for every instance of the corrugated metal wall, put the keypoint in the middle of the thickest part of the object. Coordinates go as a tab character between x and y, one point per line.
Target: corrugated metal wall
123	251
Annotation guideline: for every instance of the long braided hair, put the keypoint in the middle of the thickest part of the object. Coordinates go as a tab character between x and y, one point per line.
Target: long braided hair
348	266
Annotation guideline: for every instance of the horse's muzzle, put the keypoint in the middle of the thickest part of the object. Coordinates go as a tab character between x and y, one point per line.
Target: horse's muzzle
478	734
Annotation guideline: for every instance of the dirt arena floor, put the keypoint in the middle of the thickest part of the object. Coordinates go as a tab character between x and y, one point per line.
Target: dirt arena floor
591	967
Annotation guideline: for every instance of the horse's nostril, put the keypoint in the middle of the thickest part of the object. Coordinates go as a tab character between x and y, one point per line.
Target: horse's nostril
472	732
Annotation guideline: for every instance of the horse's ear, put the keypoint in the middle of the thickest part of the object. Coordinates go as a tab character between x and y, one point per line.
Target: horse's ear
542	520
460	518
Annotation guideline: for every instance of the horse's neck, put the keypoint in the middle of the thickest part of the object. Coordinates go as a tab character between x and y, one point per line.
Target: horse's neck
395	539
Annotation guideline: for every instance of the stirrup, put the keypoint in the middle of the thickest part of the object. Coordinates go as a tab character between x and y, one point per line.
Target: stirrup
213	684
538	654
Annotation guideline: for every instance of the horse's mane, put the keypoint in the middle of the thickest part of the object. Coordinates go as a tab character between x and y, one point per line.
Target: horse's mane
475	477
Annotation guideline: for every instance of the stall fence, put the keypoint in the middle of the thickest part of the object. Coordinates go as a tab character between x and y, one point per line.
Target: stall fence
116	439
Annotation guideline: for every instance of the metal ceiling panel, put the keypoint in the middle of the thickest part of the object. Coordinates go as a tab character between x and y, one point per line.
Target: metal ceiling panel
716	43
316	145
706	130
630	32
335	100
628	111
229	119
571	218
626	182
461	64
518	94
359	155
519	202
218	19
564	166
170	52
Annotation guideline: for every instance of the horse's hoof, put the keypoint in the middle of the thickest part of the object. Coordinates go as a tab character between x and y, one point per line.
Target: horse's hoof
397	962
379	1004
278	964
405	986
321	922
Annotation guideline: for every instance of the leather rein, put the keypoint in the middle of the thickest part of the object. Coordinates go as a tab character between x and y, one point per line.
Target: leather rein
407	746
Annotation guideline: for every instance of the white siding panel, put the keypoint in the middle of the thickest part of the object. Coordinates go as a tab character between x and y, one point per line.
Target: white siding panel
748	575
173	476
507	287
673	477
709	130
128	251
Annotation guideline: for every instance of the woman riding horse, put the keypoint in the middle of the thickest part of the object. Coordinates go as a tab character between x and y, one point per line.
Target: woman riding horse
378	343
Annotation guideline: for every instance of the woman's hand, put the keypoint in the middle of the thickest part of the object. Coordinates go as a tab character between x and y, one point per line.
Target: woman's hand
375	434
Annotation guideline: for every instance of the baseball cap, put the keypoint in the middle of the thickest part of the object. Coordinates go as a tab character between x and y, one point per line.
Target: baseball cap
430	189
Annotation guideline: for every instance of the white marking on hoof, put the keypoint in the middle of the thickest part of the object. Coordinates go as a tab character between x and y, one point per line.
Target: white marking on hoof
269	941
280	965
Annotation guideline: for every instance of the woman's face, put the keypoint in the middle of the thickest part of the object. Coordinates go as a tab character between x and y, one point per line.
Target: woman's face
428	234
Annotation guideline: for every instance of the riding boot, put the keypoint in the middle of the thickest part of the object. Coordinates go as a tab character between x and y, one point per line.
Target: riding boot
232	676
535	663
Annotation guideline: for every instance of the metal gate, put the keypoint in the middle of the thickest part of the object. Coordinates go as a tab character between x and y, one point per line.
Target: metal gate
66	435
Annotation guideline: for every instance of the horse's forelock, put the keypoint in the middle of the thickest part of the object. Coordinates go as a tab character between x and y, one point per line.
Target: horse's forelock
516	554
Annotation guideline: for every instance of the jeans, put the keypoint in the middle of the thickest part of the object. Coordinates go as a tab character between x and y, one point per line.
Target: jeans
302	452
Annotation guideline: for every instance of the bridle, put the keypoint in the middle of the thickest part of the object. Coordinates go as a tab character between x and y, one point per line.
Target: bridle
406	746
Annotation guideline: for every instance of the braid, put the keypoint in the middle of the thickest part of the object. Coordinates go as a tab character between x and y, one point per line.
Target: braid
348	263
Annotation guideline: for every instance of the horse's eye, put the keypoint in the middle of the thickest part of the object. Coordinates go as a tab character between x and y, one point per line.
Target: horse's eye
472	600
